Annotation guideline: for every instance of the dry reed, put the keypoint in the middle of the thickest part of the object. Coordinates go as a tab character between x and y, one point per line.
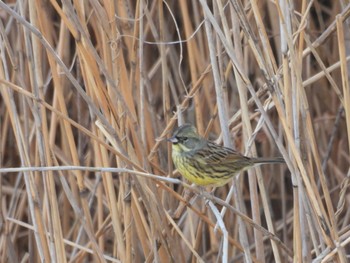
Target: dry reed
90	90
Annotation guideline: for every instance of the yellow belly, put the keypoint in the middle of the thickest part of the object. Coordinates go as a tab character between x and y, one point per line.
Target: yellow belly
193	171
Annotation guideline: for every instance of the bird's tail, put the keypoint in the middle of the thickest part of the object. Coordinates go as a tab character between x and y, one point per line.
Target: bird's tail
268	160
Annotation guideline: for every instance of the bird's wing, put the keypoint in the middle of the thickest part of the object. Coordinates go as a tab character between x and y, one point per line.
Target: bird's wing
214	154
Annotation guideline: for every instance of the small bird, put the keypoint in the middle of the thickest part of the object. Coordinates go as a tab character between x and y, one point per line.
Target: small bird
206	163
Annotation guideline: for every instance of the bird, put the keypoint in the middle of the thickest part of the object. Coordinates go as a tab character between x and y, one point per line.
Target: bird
206	163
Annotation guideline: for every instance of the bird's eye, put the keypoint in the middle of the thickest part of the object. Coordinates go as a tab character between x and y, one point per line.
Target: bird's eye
184	139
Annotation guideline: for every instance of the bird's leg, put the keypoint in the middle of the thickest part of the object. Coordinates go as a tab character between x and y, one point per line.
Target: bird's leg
207	194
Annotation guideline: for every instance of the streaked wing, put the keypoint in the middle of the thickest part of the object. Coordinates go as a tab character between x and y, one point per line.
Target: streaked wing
214	154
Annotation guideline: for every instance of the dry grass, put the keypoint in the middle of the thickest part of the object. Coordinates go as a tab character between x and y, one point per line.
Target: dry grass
91	89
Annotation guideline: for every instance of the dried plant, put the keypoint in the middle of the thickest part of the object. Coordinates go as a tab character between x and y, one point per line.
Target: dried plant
90	90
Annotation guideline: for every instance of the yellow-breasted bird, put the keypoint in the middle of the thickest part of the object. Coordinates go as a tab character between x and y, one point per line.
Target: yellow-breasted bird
206	163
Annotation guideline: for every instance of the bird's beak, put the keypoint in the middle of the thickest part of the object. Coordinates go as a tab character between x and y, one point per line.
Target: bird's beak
173	140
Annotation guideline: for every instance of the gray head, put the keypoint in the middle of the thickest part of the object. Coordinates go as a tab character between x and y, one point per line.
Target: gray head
185	138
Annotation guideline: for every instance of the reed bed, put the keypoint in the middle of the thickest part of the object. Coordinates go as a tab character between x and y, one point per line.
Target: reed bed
90	90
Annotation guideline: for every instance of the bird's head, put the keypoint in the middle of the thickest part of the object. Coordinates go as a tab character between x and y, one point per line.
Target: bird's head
185	139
